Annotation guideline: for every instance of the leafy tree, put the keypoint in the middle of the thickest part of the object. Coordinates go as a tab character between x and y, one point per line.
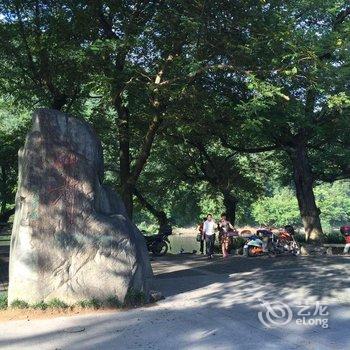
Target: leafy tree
298	101
12	133
185	95
334	201
43	52
279	210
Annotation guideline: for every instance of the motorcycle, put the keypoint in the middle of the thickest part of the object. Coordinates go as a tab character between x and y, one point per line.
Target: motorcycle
257	245
268	243
287	242
158	244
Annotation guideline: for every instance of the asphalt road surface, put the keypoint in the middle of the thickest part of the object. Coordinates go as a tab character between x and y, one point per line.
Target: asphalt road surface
240	303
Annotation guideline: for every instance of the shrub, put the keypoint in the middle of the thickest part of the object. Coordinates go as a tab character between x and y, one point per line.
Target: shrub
57	304
278	210
113	301
92	303
3	301
19	304
41	305
134	298
333	237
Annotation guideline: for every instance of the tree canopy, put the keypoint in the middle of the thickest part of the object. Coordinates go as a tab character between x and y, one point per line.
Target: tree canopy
201	106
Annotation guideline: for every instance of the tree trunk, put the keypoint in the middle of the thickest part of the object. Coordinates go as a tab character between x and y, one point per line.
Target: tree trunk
128	176
303	180
230	203
158	214
126	190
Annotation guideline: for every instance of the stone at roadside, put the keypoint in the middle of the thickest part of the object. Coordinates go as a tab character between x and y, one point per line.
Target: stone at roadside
312	249
155	296
71	238
329	251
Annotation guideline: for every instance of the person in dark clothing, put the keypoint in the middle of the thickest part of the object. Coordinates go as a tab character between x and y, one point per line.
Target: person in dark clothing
201	242
225	227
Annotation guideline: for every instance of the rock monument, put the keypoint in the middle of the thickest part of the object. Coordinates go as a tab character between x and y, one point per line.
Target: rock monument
71	237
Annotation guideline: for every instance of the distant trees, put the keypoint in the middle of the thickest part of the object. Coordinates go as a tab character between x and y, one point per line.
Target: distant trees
12	131
189	97
281	208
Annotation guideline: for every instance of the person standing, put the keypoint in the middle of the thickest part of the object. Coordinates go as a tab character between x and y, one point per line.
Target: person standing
201	236
224	227
209	234
345	230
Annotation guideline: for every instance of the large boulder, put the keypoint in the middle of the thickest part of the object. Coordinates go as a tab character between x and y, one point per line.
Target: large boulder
71	238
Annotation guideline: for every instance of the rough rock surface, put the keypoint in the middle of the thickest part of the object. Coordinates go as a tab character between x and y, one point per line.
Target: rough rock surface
71	237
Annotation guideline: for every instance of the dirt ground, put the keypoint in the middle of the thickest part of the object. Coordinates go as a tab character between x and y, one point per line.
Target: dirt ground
33	314
211	305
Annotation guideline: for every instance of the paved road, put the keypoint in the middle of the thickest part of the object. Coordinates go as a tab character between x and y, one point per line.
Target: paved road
214	305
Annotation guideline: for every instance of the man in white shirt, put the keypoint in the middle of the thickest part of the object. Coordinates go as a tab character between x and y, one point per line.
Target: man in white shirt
209	234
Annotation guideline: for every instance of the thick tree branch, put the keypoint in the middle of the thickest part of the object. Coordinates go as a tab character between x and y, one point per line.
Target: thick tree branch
145	149
159	214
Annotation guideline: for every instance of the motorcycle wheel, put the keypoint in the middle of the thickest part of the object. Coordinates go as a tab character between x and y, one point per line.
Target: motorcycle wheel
296	250
160	248
252	251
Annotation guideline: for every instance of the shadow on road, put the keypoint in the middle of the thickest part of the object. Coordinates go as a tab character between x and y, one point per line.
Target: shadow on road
209	305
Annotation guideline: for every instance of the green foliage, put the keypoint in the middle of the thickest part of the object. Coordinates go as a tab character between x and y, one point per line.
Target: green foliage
279	210
223	77
134	298
282	208
41	305
19	304
210	203
90	304
3	301
147	228
12	130
57	304
113	301
334	202
334	237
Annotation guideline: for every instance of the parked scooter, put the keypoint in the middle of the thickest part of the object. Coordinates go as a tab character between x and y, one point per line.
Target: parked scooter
158	244
265	242
260	244
253	246
287	242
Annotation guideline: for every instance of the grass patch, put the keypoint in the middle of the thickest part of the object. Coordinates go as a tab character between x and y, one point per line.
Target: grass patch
41	305
56	304
90	304
3	301
19	304
134	298
113	301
